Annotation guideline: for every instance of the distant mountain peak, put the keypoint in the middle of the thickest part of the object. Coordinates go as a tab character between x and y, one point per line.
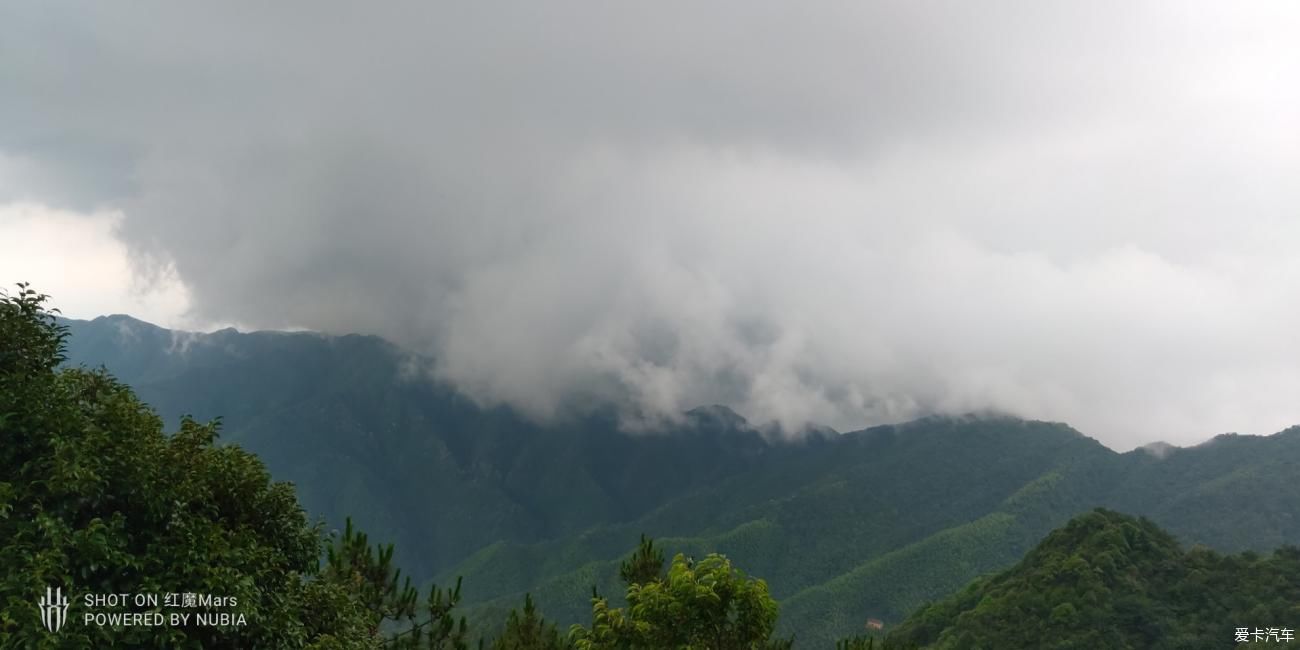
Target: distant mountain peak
1160	449
120	317
717	415
719	411
127	329
125	320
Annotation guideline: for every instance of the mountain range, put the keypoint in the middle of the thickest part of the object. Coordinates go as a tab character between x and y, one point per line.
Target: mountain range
844	527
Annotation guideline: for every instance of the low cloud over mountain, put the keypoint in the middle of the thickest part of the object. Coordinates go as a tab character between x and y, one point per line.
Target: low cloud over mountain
846	214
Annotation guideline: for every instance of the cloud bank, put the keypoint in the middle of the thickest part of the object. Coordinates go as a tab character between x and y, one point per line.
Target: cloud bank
76	258
845	213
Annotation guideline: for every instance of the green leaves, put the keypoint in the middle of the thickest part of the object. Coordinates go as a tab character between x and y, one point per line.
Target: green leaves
646	564
704	604
98	499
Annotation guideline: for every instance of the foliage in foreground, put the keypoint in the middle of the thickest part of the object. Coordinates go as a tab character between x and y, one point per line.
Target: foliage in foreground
96	499
529	631
704	604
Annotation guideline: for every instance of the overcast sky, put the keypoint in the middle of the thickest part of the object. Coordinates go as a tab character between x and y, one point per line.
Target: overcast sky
847	213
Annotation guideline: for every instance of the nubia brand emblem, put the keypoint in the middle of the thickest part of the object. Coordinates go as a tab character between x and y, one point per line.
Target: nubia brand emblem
54	609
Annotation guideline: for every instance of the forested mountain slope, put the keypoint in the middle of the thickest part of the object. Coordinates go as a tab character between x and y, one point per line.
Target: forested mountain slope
938	503
344	419
871	523
1107	580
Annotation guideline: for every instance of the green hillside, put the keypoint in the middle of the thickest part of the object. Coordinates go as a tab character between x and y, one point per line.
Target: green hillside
864	496
1107	580
873	536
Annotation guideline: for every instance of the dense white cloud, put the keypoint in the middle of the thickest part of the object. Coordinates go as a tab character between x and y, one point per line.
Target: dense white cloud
842	212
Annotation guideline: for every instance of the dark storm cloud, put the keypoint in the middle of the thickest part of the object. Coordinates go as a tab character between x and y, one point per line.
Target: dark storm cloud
846	213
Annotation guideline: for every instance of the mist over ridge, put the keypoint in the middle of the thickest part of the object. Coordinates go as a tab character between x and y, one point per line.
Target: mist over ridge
140	351
849	216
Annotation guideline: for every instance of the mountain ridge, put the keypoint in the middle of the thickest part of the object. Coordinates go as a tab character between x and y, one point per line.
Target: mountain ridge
516	506
80	325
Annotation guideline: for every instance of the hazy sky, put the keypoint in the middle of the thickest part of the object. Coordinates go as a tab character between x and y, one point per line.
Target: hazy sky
847	213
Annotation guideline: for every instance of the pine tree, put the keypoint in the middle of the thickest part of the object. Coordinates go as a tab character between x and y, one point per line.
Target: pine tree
646	564
529	631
